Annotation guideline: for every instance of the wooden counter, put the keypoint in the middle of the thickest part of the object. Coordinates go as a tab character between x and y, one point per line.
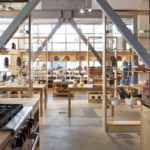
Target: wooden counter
5	136
42	88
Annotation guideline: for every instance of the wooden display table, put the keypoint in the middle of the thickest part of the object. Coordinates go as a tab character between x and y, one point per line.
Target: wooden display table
61	87
42	88
86	87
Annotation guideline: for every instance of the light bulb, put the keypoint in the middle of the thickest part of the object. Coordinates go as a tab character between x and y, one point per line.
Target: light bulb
82	11
90	10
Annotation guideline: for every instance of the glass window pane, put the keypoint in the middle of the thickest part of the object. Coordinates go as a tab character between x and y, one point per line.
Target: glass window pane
83	47
98	29
72	46
59	65
45	29
59	38
98	46
61	29
71	65
59	47
87	28
70	29
72	38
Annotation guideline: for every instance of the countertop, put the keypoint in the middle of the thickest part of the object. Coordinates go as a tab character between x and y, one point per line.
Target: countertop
5	136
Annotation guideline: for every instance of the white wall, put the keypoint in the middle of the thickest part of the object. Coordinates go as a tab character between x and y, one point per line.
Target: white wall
125	4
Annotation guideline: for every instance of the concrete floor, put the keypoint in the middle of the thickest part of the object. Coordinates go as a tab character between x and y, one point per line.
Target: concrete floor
84	130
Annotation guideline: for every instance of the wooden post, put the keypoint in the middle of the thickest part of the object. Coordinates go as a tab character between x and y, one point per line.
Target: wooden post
30	58
104	76
46	73
88	59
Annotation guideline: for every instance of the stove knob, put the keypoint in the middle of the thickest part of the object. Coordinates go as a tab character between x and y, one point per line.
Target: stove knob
29	123
22	135
31	120
18	141
25	130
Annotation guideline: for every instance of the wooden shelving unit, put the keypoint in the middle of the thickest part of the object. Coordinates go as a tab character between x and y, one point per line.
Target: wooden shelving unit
111	124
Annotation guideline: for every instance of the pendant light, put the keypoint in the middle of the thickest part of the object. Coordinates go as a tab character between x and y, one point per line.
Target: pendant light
18	62
6	62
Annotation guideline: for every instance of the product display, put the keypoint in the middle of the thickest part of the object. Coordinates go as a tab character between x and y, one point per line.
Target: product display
6	62
122	82
18	62
125	64
13	46
132	81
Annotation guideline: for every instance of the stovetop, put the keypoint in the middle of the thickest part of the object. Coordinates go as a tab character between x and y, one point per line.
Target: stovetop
7	111
12	116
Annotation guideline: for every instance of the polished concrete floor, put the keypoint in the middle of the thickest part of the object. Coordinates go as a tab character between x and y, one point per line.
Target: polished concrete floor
84	130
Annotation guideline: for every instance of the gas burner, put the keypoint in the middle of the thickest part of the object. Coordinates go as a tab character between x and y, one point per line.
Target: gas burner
8	111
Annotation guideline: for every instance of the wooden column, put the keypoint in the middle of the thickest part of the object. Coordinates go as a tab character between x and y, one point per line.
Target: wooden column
46	73
88	59
30	58
104	76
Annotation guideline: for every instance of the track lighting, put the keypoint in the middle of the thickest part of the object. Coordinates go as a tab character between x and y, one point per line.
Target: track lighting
82	11
86	10
89	9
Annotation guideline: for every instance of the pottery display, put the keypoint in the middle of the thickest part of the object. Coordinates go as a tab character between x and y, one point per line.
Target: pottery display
132	81
129	101
115	101
75	82
122	82
81	81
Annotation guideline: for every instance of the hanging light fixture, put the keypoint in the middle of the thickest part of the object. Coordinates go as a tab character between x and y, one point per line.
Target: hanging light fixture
86	9
82	11
18	62
6	62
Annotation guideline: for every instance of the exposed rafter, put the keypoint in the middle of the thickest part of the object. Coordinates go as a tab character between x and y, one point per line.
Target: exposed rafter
19	19
51	14
57	26
130	38
74	25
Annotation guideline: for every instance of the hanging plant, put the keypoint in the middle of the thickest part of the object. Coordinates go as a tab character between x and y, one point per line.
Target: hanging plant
6	62
18	62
